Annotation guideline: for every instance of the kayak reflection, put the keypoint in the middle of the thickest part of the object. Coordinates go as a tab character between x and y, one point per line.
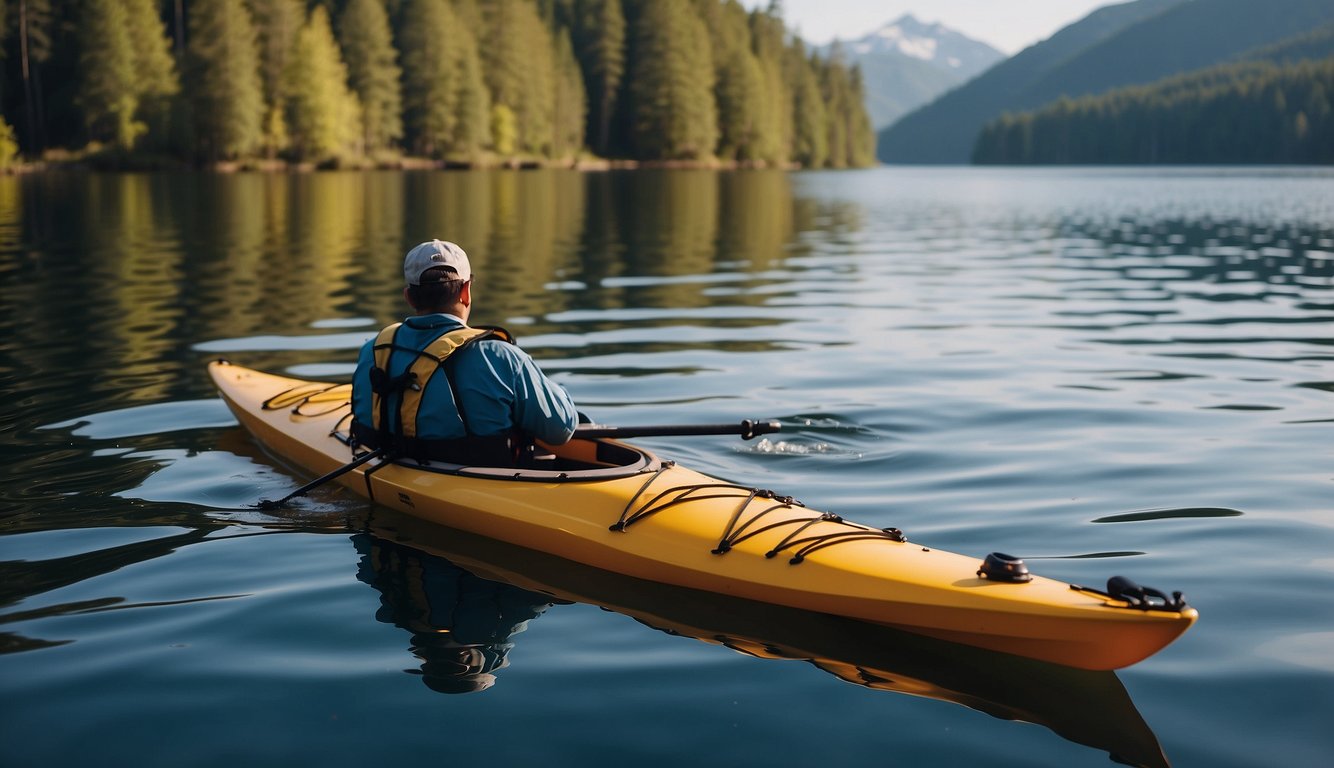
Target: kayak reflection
465	596
462	625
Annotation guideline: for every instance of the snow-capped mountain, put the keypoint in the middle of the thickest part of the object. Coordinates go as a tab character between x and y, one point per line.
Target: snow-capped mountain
907	63
932	43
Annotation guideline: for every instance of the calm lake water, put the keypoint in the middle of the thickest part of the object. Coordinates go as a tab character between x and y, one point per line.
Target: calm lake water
1123	371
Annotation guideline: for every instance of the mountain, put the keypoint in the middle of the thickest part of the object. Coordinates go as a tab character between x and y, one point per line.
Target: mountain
1127	44
907	63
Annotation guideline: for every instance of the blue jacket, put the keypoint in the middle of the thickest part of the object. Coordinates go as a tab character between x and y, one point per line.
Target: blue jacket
501	387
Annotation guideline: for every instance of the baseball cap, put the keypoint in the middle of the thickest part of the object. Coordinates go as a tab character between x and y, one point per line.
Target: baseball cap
432	254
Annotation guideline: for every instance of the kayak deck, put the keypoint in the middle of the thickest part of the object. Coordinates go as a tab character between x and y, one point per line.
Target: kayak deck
620	508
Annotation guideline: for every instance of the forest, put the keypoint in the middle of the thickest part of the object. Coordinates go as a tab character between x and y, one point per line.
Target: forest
1258	112
357	83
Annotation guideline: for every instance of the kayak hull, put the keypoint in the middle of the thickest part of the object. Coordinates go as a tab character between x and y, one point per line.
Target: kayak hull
655	520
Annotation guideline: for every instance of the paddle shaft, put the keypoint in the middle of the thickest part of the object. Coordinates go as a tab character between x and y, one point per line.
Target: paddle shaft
317	482
746	430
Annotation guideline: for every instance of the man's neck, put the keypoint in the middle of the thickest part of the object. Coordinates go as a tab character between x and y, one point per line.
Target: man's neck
450	315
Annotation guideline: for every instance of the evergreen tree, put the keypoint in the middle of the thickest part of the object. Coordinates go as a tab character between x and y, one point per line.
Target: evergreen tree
469	15
127	70
277	22
225	88
670	88
323	115
810	140
472	127
156	80
432	81
518	60
739	88
846	123
536	108
373	71
502	52
597	31
107	91
861	135
774	134
570	102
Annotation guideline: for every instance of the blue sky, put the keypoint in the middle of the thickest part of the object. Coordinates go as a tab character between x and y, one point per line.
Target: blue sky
1010	25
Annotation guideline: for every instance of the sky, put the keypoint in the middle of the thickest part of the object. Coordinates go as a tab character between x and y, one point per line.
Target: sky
1010	26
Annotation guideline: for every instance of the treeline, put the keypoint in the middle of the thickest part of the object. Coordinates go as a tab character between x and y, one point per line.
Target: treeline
458	81
1250	112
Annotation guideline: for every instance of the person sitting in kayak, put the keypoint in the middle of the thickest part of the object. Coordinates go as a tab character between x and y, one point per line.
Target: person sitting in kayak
433	388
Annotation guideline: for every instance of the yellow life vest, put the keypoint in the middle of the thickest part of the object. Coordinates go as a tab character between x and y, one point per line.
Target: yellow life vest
412	383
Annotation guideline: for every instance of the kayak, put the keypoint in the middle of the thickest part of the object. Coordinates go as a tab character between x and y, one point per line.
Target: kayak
615	506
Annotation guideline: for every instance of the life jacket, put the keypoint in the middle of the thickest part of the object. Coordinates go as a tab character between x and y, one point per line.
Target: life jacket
406	391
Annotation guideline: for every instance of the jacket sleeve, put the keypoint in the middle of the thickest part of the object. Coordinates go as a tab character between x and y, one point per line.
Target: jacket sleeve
502	388
542	407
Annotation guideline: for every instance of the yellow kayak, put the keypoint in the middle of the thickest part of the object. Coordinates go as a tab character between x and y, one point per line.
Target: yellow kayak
618	507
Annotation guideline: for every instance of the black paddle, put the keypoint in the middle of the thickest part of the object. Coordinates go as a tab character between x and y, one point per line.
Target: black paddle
746	430
317	482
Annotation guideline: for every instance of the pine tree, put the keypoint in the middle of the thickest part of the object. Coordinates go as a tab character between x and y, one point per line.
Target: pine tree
739	88
536	107
835	94
518	60
373	71
472	128
670	88
126	70
810	140
861	136
324	116
774	134
225	88
570	102
598	33
430	81
34	20
277	22
106	64
502	52
156	80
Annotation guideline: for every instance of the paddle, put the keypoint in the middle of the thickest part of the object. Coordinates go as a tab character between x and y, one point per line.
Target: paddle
317	482
746	430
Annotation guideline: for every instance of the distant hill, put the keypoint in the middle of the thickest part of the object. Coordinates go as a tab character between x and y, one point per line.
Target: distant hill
907	63
1252	112
1132	43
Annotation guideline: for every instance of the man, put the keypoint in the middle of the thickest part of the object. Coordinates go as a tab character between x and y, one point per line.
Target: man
431	387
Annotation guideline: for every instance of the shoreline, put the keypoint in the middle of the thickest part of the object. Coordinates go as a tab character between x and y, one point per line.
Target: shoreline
157	163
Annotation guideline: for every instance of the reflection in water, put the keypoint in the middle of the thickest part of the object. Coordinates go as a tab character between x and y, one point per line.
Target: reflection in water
462	626
464	611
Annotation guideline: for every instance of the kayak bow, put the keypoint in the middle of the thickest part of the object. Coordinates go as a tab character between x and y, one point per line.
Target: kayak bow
618	507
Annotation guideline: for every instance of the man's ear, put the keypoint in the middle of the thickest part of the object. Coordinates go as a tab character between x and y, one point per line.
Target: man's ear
465	295
407	296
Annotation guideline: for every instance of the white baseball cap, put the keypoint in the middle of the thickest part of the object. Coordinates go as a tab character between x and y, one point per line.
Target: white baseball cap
433	254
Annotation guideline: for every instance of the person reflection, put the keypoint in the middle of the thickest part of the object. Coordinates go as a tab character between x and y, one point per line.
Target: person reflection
462	625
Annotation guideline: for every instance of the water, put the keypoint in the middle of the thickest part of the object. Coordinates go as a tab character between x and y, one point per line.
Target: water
1122	371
